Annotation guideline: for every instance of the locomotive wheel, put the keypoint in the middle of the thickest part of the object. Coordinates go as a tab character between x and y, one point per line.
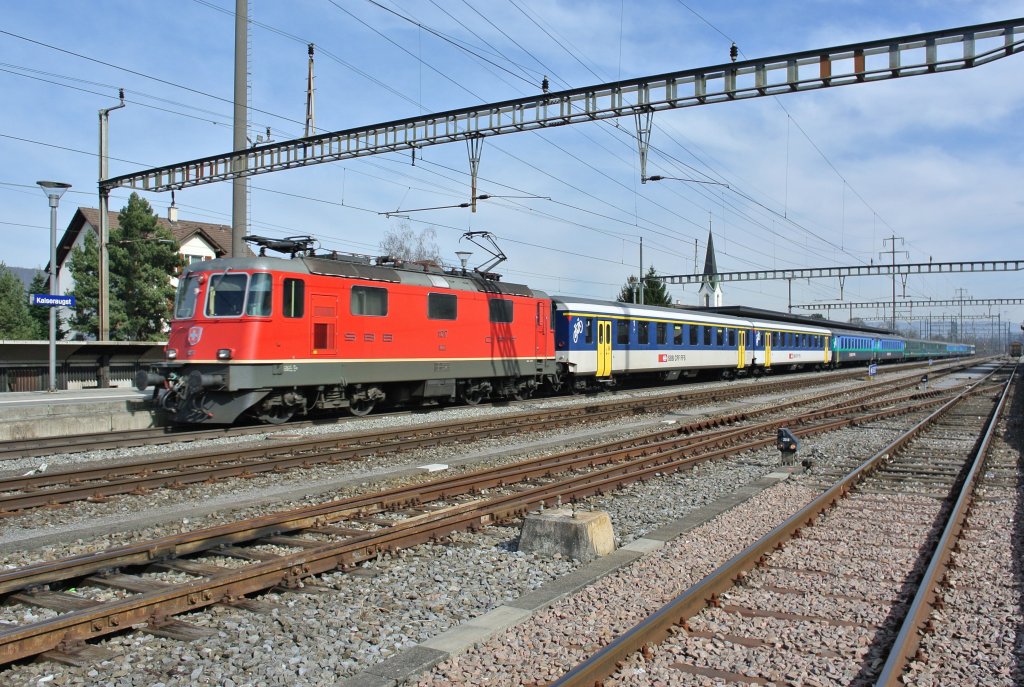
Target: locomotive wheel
472	396
361	408
523	392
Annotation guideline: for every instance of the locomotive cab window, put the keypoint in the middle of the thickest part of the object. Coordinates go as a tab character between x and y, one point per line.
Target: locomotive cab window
442	306
260	295
226	295
369	300
186	298
501	310
293	297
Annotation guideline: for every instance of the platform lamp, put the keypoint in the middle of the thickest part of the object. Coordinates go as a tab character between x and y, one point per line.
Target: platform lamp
463	256
53	190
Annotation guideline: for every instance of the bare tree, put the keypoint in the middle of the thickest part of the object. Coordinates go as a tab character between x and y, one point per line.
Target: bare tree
402	243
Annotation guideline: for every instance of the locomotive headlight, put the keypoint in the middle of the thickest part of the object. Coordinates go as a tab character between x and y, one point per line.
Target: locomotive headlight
223	354
172	354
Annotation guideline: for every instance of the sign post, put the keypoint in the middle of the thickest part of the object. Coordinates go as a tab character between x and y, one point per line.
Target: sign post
52	301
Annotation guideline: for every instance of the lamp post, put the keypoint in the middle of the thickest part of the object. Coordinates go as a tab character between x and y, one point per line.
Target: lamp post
463	256
53	190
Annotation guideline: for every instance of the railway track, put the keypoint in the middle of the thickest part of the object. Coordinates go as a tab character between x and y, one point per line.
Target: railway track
839	593
148	583
100	482
43	446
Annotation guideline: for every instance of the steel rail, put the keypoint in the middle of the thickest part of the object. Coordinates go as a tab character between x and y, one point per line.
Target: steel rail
289	570
77	443
99	483
909	636
201	540
659	625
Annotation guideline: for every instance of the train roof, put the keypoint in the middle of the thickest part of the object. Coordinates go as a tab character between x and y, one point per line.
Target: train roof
774	316
419	274
653	311
708	315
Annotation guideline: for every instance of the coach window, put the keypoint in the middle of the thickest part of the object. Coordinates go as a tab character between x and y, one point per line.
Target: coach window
588	330
677	335
661	333
643	332
226	295
719	337
258	302
501	310
694	334
732	337
707	336
369	300
622	332
442	306
293	298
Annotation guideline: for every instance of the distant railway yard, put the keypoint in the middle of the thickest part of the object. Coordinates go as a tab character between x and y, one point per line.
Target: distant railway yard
387	550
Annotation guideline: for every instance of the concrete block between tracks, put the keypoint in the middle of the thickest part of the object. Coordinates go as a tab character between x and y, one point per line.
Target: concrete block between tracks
580	535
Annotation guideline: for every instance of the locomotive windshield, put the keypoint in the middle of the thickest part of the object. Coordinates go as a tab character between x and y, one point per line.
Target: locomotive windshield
232	294
185	299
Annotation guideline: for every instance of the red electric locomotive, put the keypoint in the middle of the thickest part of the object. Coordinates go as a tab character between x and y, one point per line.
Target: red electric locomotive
273	337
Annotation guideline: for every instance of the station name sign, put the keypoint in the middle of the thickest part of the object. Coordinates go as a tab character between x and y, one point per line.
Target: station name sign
46	299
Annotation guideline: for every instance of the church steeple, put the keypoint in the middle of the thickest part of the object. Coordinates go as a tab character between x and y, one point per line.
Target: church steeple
710	292
710	267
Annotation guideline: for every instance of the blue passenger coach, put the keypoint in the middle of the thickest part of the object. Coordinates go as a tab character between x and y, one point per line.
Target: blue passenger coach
597	340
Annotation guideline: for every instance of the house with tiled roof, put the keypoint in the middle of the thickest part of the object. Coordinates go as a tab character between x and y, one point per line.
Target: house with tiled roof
197	240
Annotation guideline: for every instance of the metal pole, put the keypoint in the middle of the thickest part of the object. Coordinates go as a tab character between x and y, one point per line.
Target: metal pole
239	219
54	199
640	300
103	291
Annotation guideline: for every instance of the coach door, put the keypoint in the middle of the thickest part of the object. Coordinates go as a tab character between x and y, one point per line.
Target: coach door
828	350
742	349
768	348
604	348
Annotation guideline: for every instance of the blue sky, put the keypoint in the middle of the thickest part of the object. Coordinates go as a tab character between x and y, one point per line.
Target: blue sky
932	159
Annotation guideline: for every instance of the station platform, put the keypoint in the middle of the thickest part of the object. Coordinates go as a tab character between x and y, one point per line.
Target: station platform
37	414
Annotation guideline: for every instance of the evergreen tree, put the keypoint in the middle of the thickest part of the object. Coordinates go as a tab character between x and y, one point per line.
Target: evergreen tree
15	321
142	258
655	291
41	316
